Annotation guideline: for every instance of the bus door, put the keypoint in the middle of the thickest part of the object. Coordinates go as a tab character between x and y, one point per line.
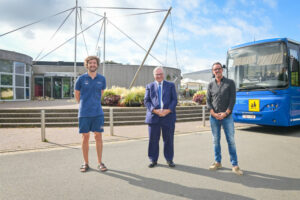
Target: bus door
295	84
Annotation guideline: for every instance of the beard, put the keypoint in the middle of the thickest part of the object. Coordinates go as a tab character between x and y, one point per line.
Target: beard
93	69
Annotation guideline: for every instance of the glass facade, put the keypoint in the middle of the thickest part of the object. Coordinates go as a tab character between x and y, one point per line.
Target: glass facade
55	87
14	80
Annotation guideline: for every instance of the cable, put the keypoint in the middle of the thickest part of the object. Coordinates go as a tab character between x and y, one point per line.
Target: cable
35	22
80	22
99	36
166	56
55	33
70	39
174	41
133	41
143	13
119	8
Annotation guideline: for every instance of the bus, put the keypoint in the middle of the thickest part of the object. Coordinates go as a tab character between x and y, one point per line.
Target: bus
266	74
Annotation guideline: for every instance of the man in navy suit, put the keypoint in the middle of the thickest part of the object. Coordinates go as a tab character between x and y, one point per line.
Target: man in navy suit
160	100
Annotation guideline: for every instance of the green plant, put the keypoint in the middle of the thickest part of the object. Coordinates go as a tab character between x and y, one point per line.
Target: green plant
200	97
134	97
109	98
168	77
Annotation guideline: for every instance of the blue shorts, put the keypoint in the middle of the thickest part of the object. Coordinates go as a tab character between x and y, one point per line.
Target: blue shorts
93	124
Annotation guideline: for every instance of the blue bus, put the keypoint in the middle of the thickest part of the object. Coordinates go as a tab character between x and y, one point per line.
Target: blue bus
266	74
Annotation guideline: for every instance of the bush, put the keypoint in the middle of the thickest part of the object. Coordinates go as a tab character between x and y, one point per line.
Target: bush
187	103
110	98
121	91
192	92
200	97
123	97
134	97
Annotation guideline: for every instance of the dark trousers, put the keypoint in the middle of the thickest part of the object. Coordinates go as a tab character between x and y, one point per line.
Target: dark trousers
167	130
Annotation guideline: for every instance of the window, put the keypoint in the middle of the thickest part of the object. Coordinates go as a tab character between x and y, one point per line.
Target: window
28	68
20	68
6	66
294	64
20	93
15	78
27	81
6	93
6	79
19	81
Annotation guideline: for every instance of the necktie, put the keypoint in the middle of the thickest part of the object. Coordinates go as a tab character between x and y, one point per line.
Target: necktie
159	95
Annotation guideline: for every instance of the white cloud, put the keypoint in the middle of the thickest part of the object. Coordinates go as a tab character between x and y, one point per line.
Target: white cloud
271	3
203	30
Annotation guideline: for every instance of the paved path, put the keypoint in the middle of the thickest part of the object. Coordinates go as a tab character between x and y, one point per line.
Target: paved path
20	139
269	158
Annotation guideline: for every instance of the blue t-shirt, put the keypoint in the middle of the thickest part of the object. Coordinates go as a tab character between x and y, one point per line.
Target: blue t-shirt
90	95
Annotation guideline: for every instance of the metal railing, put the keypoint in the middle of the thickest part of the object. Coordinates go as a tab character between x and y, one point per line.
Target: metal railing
111	121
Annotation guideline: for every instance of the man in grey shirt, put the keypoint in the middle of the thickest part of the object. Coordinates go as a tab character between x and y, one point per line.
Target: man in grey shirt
220	101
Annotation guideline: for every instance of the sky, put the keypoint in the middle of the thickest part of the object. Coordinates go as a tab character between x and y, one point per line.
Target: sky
196	34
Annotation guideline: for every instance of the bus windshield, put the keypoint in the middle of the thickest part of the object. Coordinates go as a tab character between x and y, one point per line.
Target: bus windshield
258	67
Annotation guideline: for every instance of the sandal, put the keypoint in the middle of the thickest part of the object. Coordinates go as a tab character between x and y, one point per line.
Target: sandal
102	167
84	167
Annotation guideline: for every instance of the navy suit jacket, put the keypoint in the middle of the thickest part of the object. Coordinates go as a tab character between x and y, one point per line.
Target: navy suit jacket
169	99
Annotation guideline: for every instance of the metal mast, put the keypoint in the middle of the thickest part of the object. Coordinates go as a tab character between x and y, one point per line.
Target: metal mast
104	34
137	72
75	48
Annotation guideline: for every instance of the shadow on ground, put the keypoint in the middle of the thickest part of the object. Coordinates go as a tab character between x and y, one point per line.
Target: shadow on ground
250	179
170	188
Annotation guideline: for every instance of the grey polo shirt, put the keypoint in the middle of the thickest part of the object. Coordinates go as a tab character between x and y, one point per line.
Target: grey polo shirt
221	97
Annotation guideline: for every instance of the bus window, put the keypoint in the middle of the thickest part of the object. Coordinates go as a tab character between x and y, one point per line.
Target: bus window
294	65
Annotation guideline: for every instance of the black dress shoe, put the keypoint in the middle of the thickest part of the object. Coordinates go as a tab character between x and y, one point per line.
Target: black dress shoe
152	164
171	163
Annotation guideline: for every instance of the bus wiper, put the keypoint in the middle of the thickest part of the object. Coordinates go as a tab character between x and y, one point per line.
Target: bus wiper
269	89
257	87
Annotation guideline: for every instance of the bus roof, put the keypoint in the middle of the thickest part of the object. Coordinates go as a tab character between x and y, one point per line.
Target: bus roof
264	41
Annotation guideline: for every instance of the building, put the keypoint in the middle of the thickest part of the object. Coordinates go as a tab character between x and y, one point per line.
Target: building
55	79
15	76
23	79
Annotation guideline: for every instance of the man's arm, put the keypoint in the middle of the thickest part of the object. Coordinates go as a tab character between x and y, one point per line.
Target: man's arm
231	101
173	103
77	96
232	97
148	102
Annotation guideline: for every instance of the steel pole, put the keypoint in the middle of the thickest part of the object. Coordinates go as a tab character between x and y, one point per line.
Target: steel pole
137	72
104	38
75	45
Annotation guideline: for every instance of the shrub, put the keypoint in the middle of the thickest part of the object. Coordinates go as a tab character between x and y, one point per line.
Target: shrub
187	103
121	91
134	97
192	92
200	97
110	98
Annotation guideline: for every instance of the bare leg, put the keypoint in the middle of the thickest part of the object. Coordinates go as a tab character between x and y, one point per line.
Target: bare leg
85	147
99	146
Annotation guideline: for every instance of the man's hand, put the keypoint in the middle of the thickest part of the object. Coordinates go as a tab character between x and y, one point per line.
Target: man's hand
220	116
165	112
157	112
161	113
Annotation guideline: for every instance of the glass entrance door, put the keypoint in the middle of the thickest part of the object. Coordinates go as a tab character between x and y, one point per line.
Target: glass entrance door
57	87
66	87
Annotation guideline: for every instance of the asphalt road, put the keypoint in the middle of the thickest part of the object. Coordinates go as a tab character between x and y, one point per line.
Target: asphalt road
268	156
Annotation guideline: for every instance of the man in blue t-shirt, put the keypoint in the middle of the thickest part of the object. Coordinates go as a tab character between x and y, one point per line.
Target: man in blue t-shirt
88	91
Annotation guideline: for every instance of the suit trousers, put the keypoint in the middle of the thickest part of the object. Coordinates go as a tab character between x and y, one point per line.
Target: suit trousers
167	130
